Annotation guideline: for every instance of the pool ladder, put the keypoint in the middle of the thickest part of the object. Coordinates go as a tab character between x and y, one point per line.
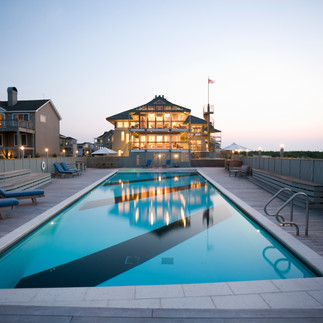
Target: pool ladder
290	201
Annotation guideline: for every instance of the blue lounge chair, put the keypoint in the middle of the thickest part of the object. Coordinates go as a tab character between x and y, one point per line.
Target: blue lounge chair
167	165
61	172
66	168
148	164
20	195
7	204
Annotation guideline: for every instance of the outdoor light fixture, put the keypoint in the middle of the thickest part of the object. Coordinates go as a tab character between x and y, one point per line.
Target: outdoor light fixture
46	151
22	151
259	151
281	150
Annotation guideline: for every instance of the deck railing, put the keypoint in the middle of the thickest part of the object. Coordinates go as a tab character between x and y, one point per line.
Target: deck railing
15	124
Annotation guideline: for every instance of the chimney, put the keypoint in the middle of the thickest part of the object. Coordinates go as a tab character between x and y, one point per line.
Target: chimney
12	96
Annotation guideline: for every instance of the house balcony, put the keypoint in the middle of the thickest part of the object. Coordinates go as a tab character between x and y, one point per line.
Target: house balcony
155	126
182	145
17	125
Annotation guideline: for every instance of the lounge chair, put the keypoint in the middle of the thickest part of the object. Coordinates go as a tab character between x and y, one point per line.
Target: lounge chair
61	172
167	165
148	164
66	168
20	195
7	204
244	170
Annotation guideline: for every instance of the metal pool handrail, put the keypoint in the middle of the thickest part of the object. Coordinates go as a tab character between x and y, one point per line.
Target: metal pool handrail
276	195
291	200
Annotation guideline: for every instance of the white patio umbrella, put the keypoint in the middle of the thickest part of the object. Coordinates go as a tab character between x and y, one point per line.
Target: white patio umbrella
236	147
104	151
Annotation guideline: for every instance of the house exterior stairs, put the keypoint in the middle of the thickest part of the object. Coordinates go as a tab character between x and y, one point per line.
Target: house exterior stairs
23	179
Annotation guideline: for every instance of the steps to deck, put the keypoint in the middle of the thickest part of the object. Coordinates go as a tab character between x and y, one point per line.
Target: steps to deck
272	182
23	179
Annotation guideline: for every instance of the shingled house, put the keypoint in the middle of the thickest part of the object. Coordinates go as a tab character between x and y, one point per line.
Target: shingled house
160	130
28	127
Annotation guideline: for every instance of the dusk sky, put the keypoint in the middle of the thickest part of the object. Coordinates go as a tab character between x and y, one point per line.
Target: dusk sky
96	58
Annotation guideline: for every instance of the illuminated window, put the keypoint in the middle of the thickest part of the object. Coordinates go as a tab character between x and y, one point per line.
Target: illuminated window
119	124
126	124
122	135
127	138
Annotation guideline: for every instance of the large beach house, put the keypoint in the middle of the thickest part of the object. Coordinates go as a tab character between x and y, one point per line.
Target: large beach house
160	130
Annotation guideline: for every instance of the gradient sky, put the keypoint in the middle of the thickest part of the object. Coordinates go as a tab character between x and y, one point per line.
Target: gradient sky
97	58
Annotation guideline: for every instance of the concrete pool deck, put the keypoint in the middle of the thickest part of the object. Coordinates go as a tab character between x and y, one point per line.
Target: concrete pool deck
281	300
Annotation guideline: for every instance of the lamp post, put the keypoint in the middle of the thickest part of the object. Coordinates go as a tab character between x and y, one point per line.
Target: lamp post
46	151
281	151
22	148
259	151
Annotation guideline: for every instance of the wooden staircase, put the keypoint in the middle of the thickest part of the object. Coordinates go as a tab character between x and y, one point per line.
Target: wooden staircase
23	179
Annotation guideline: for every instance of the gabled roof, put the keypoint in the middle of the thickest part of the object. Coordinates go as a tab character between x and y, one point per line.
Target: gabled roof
194	120
157	101
106	133
125	115
28	106
160	101
24	105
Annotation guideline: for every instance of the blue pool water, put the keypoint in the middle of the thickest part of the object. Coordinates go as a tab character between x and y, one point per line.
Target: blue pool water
148	228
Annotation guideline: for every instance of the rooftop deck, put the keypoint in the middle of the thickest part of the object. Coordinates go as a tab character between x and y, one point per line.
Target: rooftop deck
210	302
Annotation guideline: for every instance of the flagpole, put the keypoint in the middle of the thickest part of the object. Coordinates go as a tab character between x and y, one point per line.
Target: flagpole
208	114
208	86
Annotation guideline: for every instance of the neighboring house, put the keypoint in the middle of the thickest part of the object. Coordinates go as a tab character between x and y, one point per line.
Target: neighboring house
159	130
85	149
104	140
68	146
31	124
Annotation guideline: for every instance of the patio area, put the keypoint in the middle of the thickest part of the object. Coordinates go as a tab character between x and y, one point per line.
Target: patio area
214	302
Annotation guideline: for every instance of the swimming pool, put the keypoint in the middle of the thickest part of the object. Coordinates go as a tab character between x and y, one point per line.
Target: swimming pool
148	228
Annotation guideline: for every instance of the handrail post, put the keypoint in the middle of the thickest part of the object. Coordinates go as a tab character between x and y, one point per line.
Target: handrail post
307	217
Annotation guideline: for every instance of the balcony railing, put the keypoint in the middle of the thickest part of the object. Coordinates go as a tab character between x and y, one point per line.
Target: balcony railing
157	125
182	145
15	124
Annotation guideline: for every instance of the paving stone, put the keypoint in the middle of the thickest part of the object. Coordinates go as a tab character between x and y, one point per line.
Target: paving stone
251	287
318	295
61	294
288	285
135	303
17	295
207	289
239	301
160	291
187	302
290	300
122	292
